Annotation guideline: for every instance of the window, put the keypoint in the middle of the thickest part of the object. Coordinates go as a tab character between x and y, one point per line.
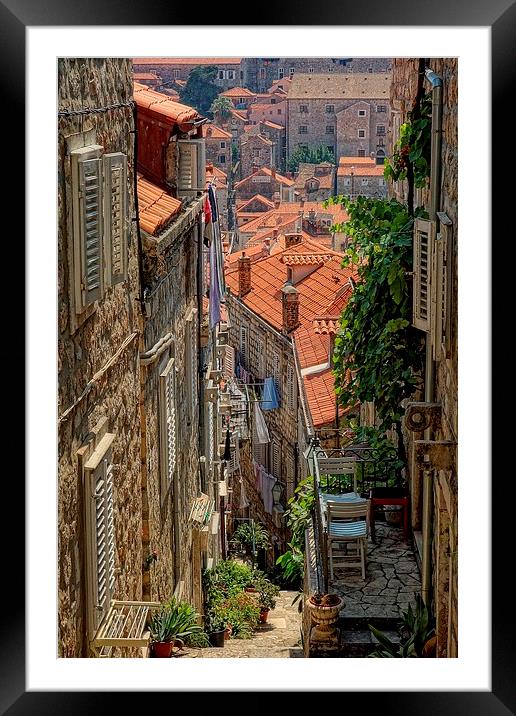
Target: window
291	71
365	182
97	467
222	159
329	109
303	129
191	362
381	108
370	70
221	75
100	222
303	108
279	111
175	74
281	72
380	130
243	346
191	174
331	148
223	145
347	181
168	426
231	74
275	458
273	100
331	68
256	152
381	181
330	129
262	73
311	70
361	133
424	237
276	369
291	389
361	113
361	153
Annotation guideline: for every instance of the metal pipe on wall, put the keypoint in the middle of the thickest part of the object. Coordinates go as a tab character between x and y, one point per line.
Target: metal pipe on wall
435	198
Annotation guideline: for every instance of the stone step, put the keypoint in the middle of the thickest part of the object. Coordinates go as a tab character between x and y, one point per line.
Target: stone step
361	623
361	643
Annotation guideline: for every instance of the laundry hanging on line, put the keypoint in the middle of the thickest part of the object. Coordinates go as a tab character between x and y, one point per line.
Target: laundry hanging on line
261	432
270	398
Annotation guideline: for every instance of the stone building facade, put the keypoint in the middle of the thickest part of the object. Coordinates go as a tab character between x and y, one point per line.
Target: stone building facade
179	68
218	146
434	499
277	134
99	328
274	111
256	151
356	178
348	113
315	182
260	72
264	181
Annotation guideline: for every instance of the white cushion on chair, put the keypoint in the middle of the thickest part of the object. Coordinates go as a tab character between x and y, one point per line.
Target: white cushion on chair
348	529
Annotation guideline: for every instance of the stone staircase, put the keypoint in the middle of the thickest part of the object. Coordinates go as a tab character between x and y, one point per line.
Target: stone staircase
356	640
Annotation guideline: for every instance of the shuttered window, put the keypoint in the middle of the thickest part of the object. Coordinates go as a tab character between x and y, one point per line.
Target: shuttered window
276	458
290	469
210	438
243	346
191	362
168	426
276	369
424	235
115	216
86	175
260	453
291	389
229	362
99	532
191	174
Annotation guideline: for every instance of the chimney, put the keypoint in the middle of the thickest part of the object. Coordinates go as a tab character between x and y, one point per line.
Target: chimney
273	173
267	246
244	275
293	239
275	233
290	303
302	203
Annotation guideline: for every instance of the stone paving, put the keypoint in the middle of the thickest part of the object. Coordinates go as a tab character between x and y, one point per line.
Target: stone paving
279	638
392	578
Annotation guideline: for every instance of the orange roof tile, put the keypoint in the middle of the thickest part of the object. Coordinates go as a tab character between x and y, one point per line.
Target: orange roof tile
162	105
212	131
156	208
238	115
362	170
254	253
186	60
320	394
268	171
261	107
356	160
273	125
214	173
144	76
257	197
238	92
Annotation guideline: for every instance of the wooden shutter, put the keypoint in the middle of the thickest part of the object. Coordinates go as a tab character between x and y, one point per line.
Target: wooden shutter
424	234
276	369
100	532
260	358
243	346
291	478
259	453
229	362
291	388
191	175
439	294
210	428
90	213
168	425
276	459
191	361
115	216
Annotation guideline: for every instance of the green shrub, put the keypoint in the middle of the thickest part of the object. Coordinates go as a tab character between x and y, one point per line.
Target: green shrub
174	620
242	612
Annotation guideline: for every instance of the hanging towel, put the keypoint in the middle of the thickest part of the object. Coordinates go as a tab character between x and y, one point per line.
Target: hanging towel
244	502
270	398
261	434
268	482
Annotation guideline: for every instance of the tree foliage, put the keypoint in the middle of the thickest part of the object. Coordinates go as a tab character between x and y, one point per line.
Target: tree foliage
221	109
200	89
378	355
312	155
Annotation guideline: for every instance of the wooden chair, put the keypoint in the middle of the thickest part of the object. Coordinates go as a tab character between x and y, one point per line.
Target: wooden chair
348	522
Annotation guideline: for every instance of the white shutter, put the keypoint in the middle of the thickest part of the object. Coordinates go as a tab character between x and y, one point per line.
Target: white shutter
100	532
191	174
211	438
168	426
424	234
191	361
260	366
276	369
115	216
291	389
90	226
243	345
229	362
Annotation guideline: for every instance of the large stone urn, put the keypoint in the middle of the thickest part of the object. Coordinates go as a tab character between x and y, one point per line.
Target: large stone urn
324	611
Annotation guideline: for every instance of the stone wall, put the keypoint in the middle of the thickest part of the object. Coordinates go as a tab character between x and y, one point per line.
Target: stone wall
276	112
177	71
85	345
376	186
445	528
255	152
216	154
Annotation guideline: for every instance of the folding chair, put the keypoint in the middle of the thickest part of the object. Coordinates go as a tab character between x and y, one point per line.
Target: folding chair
348	522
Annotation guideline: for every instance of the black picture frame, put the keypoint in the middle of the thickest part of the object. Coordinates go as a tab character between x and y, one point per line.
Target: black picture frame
500	16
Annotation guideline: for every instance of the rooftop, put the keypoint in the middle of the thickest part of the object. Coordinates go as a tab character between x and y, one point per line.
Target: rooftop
257	197
144	76
156	208
213	131
343	86
361	170
238	92
186	60
162	106
269	172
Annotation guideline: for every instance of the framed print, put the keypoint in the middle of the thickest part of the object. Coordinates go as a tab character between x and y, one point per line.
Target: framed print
101	158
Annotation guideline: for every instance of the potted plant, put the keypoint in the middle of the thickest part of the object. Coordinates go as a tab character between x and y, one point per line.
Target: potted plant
324	610
161	633
268	593
252	536
169	624
215	627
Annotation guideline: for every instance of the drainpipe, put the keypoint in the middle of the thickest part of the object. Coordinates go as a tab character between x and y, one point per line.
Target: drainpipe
435	197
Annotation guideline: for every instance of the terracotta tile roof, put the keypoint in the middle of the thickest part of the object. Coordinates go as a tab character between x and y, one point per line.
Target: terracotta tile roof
356	160
292	209
156	207
284	81
186	60
320	394
257	197
260	107
302	259
213	131
144	76
312	349
268	221
249	215
340	86
266	170
238	114
161	105
214	173
254	253
238	92
362	170
273	125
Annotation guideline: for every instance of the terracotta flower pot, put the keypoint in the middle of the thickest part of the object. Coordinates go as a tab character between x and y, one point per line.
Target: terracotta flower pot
324	618
228	631
264	613
163	649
